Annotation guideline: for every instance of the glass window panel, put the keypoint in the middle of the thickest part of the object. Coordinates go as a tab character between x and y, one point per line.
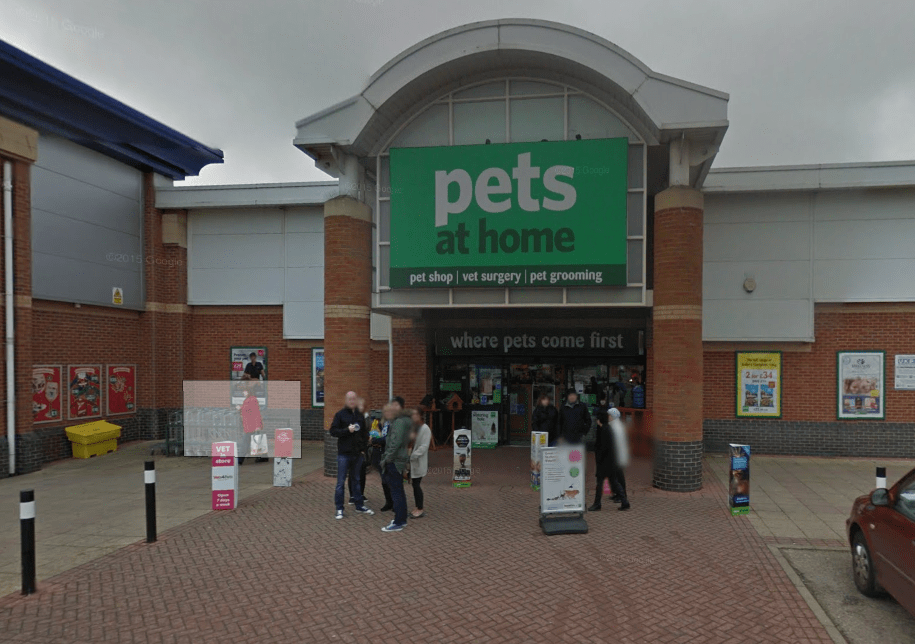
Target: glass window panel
634	263
635	214
520	88
384	181
476	122
535	119
592	121
428	129
384	220
384	266
486	90
636	166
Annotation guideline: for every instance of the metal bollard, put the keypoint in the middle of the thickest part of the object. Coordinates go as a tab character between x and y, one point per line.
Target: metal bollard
27	532
881	478
149	476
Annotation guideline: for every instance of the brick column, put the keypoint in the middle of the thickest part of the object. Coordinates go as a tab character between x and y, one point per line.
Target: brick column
347	309
412	365
677	340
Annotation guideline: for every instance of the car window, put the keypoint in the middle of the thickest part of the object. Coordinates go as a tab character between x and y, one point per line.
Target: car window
905	501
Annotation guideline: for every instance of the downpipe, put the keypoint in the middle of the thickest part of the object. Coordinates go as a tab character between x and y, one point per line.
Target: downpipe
10	328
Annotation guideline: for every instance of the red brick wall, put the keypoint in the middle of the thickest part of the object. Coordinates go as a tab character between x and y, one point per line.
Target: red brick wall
809	378
378	370
412	361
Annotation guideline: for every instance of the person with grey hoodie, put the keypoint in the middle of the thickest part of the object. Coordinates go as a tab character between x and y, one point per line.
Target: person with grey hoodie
395	461
419	460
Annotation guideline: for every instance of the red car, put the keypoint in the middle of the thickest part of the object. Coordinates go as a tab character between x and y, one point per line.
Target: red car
881	533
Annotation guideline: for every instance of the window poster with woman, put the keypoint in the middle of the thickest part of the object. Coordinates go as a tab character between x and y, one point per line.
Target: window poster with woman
85	391
861	385
47	392
122	389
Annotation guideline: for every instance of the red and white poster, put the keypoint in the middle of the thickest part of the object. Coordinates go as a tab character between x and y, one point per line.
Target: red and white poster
47	392
85	391
122	389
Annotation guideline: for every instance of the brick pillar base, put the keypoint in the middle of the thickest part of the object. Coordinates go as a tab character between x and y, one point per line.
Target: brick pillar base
677	340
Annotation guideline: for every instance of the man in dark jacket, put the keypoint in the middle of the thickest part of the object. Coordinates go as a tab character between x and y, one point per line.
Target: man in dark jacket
394	461
352	436
607	461
545	418
574	419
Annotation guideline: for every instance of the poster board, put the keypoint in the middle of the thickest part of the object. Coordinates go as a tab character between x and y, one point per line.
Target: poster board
317	377
739	480
462	450
121	392
484	427
860	387
225	475
84	389
241	359
562	479
47	393
904	372
759	384
538	443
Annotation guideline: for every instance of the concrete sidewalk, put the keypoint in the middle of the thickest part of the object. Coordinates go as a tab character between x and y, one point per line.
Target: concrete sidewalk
87	508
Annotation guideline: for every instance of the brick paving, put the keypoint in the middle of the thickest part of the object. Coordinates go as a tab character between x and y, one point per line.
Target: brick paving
477	569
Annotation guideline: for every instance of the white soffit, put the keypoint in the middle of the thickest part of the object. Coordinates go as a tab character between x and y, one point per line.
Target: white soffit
313	193
838	176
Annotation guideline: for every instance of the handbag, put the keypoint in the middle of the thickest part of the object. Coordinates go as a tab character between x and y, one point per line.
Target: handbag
259	445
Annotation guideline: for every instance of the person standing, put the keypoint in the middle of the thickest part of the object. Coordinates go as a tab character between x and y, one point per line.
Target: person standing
419	460
545	418
621	451
348	427
393	463
604	458
377	441
366	456
252	423
574	420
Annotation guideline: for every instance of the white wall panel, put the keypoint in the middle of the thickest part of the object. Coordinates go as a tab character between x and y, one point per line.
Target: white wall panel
862	239
238	251
305	219
305	249
865	204
381	326
761	241
774	280
236	286
303	320
305	284
887	280
756	208
757	320
241	221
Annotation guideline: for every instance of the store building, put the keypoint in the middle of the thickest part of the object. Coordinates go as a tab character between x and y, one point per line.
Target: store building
519	206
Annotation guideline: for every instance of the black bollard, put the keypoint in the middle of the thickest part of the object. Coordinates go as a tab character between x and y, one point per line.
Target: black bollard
881	477
149	476
27	531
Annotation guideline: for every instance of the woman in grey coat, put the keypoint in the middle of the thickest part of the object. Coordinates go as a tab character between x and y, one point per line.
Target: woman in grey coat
419	460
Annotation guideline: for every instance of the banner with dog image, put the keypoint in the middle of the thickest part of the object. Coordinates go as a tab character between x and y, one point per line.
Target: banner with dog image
562	479
759	384
861	386
47	392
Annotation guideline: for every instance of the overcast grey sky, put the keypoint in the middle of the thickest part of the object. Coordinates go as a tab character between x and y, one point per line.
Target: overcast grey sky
810	82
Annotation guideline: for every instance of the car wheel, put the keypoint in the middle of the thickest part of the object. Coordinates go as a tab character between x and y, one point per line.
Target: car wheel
863	567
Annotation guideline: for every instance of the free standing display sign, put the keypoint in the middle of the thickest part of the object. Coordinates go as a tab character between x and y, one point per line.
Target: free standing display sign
122	389
515	214
462	467
282	461
861	392
317	377
85	391
538	443
562	479
905	372
256	369
739	485
485	428
47	392
759	384
225	475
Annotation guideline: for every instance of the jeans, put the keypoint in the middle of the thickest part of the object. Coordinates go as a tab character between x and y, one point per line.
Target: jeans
376	464
361	471
348	465
395	483
418	493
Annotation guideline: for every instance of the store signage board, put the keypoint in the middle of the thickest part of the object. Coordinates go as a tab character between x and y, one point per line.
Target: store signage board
225	475
905	372
484	426
462	448
509	215
562	479
861	391
759	384
538	444
539	342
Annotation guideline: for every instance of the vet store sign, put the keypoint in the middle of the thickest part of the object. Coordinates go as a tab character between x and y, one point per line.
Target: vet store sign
517	214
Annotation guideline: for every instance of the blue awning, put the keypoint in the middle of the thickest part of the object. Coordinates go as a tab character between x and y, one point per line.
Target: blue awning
44	98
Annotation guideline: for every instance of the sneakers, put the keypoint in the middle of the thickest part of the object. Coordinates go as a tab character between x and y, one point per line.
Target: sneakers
393	527
364	510
339	514
351	501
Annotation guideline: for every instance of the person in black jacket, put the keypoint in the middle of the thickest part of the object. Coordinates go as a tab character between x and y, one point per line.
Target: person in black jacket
606	460
545	417
574	419
352	436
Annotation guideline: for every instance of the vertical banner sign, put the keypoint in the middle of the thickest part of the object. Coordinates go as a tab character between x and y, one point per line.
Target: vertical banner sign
739	485
47	392
225	476
485	428
538	443
247	368
515	214
462	467
861	387
905	372
317	377
122	389
759	384
282	461
85	391
562	479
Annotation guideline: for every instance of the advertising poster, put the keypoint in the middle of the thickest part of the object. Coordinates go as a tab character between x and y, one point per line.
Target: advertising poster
562	479
47	392
538	443
122	389
759	384
739	485
905	372
246	368
317	377
484	426
860	386
85	391
462	467
225	475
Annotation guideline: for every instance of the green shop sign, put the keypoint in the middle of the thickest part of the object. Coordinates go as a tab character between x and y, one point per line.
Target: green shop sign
517	214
